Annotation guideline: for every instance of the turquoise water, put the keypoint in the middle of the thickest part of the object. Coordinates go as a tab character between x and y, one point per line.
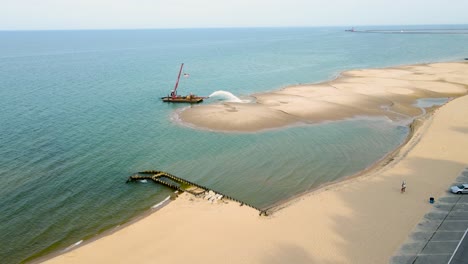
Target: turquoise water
81	112
429	102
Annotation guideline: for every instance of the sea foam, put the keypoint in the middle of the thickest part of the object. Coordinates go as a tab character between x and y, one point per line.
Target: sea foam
74	245
161	203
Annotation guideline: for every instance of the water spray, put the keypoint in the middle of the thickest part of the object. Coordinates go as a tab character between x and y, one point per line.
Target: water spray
227	95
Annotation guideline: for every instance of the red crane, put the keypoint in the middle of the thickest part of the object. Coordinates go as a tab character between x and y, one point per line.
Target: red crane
174	98
174	92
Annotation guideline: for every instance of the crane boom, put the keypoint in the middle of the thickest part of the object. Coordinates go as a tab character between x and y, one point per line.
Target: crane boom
174	98
174	92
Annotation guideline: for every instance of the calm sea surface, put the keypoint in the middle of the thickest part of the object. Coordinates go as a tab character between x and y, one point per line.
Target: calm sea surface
80	112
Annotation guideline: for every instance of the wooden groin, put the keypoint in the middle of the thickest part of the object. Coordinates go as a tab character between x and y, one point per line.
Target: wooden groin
158	176
154	178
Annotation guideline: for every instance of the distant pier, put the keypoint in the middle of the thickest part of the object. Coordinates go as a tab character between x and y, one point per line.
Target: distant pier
183	185
455	31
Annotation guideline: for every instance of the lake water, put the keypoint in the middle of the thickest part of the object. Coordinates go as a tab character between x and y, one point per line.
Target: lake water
80	112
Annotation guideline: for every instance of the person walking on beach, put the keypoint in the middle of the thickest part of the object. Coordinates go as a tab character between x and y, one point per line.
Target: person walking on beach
403	186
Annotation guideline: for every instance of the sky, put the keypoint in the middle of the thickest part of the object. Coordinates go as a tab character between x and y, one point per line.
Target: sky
131	14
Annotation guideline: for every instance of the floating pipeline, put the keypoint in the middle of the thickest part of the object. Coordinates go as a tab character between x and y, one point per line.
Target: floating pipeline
156	176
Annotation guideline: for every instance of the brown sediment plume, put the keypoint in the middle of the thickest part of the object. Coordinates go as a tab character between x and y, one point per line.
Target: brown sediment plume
387	92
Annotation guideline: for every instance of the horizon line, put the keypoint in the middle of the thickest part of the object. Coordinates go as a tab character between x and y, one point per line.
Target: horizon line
227	27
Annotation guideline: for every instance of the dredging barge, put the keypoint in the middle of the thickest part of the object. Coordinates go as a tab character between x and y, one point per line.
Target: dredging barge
175	98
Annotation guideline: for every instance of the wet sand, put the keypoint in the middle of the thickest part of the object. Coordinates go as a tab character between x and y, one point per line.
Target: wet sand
359	220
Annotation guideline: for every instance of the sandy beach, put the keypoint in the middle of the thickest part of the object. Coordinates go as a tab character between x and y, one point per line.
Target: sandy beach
362	219
387	92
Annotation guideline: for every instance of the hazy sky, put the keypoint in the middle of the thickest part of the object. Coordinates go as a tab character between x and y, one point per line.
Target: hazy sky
99	14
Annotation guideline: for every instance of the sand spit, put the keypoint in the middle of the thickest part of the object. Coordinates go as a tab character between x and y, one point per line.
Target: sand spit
360	220
390	92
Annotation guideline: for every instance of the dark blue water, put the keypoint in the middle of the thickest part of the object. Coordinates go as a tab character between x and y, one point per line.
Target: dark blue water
80	112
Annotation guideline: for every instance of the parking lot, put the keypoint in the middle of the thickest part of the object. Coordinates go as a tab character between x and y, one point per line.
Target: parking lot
435	239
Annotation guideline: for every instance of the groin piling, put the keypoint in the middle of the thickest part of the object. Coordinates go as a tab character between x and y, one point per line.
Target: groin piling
184	185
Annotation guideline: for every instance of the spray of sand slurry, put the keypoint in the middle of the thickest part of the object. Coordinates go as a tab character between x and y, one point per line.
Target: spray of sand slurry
227	95
389	92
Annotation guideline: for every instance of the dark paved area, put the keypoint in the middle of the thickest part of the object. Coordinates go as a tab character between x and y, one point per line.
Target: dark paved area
461	253
435	239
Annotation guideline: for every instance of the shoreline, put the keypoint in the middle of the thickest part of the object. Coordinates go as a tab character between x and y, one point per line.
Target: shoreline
419	123
372	168
109	232
379	164
418	129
